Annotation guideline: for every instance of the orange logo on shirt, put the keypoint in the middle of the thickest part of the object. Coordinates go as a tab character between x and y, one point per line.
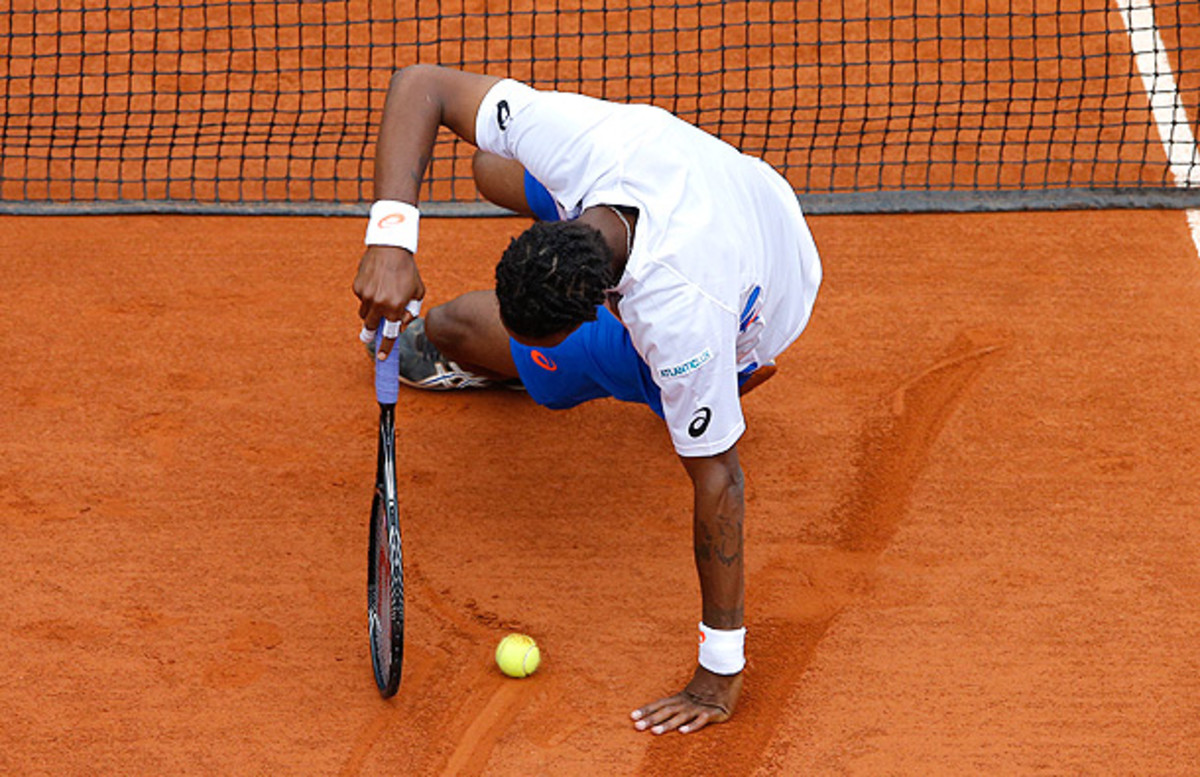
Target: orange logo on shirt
543	361
391	220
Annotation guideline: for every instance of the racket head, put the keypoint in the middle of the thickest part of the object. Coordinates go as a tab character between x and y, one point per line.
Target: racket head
385	567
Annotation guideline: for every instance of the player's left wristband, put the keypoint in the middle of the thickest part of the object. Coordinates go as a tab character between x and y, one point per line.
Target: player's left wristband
393	223
722	651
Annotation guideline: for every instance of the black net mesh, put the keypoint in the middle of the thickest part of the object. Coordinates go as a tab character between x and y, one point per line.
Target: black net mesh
233	105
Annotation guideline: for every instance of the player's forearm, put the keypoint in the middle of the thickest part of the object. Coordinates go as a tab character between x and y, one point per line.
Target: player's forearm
422	98
407	131
719	512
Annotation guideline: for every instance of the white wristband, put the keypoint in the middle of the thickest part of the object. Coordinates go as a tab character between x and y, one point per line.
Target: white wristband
393	223
722	651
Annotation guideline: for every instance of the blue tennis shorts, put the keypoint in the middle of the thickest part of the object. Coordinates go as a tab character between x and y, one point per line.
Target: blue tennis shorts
596	360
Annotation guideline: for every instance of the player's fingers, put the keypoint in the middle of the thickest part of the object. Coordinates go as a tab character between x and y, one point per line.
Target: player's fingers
665	712
371	318
411	311
654	706
391	330
702	718
674	722
413	307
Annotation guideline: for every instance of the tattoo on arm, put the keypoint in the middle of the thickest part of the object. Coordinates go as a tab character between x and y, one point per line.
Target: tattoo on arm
703	544
729	549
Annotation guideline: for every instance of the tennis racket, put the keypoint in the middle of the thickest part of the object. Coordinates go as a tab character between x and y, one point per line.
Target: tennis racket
385	558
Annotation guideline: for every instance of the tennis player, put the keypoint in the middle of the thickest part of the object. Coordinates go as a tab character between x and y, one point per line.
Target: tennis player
666	268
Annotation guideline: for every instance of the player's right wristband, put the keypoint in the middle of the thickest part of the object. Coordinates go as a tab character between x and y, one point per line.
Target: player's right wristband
393	223
722	651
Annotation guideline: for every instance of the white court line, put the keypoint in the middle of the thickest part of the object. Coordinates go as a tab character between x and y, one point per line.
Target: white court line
1170	116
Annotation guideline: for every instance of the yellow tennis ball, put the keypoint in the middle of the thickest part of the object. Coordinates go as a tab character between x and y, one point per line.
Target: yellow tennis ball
517	655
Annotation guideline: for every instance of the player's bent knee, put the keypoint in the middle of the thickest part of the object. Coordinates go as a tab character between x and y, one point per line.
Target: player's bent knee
451	326
441	327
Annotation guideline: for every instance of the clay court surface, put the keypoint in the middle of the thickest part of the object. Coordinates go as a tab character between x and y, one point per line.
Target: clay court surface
972	531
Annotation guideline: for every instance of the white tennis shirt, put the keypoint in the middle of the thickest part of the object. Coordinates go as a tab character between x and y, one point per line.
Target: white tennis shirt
723	273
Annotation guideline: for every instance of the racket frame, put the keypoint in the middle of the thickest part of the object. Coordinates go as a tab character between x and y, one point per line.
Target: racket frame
386	659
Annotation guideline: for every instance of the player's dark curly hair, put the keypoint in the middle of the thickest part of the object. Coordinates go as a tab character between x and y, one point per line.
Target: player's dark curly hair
552	277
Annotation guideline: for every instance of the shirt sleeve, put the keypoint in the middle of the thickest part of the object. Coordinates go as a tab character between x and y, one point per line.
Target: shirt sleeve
495	131
568	142
690	343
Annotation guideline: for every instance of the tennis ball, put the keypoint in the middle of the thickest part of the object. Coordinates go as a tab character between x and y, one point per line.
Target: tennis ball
517	655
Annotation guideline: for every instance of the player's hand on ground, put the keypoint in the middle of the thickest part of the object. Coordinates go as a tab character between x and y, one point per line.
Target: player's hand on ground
386	281
708	698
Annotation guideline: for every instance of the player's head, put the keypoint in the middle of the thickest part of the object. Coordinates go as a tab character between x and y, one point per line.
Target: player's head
551	279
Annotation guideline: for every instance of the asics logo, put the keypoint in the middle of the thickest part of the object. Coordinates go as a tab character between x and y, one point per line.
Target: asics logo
700	421
543	361
503	114
390	220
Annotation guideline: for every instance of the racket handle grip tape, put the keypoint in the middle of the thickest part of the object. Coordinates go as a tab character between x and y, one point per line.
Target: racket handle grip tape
387	373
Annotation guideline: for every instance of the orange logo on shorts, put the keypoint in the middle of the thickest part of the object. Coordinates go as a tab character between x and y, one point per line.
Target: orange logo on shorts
543	361
391	220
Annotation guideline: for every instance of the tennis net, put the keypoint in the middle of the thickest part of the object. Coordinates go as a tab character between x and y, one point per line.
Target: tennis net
248	106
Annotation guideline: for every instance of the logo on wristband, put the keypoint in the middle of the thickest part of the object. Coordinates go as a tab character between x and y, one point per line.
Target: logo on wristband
391	220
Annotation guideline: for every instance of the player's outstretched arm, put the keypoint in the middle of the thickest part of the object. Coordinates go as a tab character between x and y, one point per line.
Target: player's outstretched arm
420	99
719	510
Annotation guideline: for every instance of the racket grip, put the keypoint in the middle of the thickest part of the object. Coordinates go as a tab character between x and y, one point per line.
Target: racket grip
387	374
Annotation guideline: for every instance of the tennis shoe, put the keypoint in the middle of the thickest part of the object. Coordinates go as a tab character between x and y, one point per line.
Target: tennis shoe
423	366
